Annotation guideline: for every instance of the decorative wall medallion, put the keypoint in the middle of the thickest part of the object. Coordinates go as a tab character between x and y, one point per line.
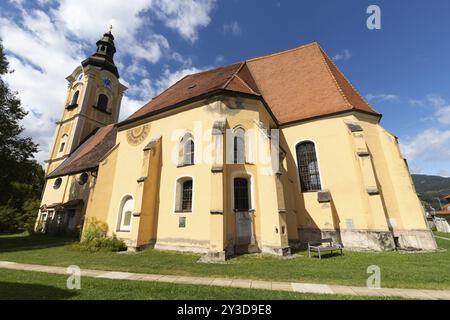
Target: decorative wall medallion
137	135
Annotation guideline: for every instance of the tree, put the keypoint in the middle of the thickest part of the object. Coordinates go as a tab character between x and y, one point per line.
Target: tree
21	177
15	150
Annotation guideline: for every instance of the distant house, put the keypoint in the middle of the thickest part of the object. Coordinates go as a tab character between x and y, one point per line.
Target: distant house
442	217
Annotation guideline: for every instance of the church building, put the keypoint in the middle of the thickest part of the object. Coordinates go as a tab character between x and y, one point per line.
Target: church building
261	155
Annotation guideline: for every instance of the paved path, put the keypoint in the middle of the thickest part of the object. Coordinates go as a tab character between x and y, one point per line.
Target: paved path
443	238
241	283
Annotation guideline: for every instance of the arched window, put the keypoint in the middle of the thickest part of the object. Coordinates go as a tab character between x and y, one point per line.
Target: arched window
308	168
126	213
186	203
75	98
241	195
239	146
62	144
102	102
187	148
184	195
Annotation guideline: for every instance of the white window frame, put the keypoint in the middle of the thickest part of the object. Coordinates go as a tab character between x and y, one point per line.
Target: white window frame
251	189
64	140
322	182
245	141
185	138
178	194
121	216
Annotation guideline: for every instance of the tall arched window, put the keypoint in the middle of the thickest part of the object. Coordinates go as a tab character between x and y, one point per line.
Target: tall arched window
241	195
126	213
63	143
102	102
75	98
184	192
239	146
186	204
308	168
187	148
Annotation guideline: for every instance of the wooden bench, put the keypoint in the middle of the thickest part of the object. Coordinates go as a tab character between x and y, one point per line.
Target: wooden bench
319	247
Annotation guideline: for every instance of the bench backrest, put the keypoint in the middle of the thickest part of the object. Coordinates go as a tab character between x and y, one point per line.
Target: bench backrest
321	241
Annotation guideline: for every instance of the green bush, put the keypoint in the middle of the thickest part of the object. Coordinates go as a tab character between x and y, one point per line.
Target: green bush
22	219
95	238
94	229
10	219
30	212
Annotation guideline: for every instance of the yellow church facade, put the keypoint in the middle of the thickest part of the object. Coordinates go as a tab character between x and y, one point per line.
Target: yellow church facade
259	156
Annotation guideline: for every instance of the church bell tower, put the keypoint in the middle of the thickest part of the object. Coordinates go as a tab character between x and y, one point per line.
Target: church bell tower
93	101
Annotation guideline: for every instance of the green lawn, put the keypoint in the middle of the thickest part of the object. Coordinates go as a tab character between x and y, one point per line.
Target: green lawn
442	234
398	269
17	285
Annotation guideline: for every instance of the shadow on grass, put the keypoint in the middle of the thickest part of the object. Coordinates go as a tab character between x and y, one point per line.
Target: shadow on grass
25	291
14	243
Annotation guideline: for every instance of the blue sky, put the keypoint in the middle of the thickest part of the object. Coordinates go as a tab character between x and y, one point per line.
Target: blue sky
402	69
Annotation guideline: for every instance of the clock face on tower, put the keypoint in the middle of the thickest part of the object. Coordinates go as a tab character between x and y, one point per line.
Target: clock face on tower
106	82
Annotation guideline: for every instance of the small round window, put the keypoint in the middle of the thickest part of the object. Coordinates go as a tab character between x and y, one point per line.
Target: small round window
57	183
83	178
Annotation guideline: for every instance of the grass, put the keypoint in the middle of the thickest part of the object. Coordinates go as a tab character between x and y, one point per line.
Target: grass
427	270
24	285
442	234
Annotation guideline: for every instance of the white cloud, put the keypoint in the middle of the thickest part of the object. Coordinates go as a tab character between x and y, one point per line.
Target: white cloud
429	144
43	47
232	28
441	113
186	17
343	55
219	59
169	78
381	97
429	150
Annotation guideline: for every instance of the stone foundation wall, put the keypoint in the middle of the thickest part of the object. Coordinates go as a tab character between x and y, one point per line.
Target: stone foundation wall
181	248
370	240
276	250
415	239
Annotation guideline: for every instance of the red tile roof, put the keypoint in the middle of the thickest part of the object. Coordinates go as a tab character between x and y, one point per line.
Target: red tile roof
442	212
88	155
296	84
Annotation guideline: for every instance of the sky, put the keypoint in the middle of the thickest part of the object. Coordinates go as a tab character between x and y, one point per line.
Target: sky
401	69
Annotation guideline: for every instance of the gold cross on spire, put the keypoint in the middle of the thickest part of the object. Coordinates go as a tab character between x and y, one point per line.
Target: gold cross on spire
110	28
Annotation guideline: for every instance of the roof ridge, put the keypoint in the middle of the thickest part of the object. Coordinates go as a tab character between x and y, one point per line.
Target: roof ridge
214	69
284	51
190	75
253	77
245	84
234	75
324	55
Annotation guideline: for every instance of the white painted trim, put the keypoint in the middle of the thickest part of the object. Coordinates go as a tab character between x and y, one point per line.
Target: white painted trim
64	139
250	177
247	156
175	195
181	146
119	227
322	182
